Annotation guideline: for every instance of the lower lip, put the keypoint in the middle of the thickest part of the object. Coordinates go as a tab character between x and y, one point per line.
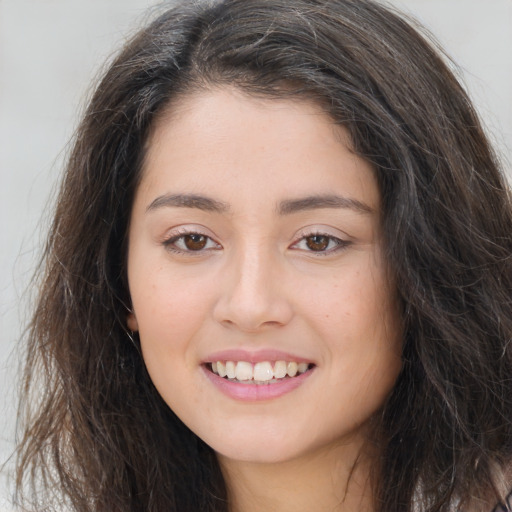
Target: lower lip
256	392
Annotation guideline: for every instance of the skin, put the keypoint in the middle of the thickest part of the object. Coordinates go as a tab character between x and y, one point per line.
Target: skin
261	281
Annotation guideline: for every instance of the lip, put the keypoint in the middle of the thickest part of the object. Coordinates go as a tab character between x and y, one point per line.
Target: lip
254	357
255	392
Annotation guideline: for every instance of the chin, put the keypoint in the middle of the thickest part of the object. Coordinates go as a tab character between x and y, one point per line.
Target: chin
258	448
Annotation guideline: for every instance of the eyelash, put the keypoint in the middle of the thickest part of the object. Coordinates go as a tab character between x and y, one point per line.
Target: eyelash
339	244
171	243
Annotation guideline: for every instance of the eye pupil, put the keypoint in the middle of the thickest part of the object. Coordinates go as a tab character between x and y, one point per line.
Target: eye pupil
317	242
195	241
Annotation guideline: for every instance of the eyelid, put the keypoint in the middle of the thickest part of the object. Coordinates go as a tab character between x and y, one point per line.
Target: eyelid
343	241
173	235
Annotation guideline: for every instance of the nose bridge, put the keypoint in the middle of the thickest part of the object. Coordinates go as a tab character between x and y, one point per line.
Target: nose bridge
254	268
252	294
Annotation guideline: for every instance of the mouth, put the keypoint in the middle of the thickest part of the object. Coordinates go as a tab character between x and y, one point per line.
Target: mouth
260	373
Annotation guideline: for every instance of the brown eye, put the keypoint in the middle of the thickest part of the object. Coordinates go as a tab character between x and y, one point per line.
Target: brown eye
317	242
191	242
321	244
195	241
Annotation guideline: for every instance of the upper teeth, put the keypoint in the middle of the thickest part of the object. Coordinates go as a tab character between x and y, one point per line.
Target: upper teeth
262	371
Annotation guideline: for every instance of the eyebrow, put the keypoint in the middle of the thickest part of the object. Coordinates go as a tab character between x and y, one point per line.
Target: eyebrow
188	201
322	201
287	207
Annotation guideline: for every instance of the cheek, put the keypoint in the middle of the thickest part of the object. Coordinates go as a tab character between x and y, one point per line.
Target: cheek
169	312
162	295
357	317
352	300
170	319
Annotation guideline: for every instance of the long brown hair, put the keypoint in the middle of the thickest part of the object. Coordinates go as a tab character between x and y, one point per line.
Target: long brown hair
98	437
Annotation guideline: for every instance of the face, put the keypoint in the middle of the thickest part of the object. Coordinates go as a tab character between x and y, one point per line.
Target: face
266	316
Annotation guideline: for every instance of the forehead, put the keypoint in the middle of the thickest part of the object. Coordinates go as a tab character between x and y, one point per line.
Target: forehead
213	140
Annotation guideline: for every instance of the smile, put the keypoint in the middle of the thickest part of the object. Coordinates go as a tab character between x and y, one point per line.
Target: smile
264	372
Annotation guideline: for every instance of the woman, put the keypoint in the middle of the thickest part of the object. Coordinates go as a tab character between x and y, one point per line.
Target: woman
278	276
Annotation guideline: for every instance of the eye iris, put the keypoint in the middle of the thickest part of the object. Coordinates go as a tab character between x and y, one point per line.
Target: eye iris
194	242
317	242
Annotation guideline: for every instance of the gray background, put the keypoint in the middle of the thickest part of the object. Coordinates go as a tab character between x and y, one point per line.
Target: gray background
50	50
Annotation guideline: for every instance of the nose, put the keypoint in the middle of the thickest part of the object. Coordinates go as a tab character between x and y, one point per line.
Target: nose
252	292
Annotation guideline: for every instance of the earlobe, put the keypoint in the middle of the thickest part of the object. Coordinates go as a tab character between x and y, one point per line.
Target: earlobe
131	322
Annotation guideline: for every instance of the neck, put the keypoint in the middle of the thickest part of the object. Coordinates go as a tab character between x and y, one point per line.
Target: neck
335	479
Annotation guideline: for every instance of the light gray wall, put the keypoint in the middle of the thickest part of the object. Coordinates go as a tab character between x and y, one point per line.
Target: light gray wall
49	52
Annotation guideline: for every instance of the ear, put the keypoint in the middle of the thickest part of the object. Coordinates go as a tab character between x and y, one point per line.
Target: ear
131	322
